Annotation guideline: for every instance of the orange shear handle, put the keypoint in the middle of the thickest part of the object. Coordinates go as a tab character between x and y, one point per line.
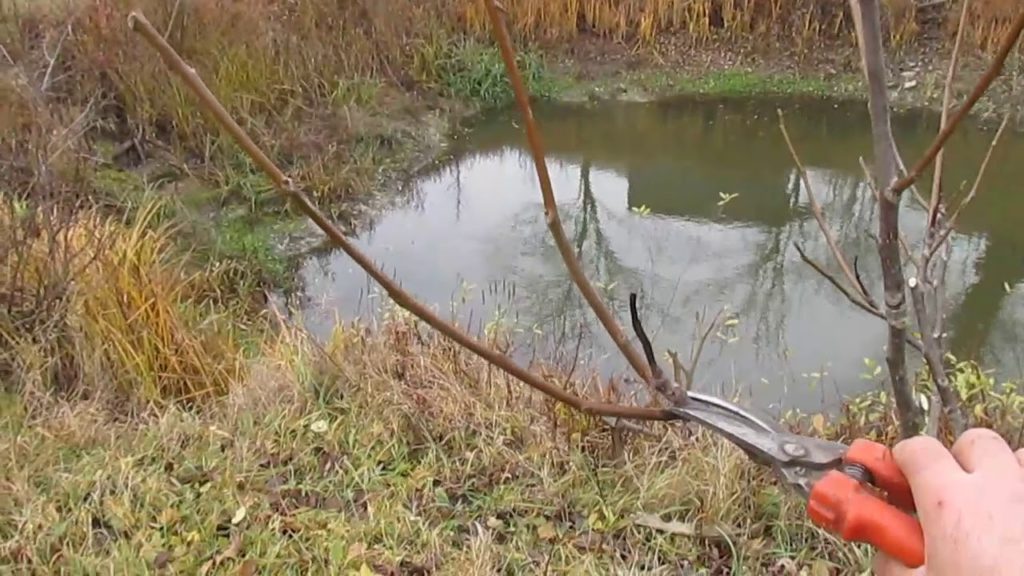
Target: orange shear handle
840	504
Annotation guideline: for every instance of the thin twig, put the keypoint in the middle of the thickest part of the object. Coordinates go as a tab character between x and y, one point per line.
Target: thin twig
910	253
933	357
170	21
673	393
138	23
695	354
47	78
551	209
980	89
947	98
677	368
860	281
853	298
850	295
951	223
820	216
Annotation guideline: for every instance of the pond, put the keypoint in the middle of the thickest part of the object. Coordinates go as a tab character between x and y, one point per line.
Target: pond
696	205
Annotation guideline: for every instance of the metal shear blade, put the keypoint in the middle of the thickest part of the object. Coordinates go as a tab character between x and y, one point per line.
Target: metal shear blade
796	459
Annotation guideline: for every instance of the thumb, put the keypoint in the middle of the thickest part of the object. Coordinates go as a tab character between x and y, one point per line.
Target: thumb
885	565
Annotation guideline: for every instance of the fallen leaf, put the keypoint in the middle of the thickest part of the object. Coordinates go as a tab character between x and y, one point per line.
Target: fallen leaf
356	550
163	558
168	517
248	568
590	542
493	523
333	503
239	515
546	531
232	551
818	421
821	568
655	522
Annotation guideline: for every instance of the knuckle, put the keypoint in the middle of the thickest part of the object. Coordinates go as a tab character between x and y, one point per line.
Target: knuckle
973	436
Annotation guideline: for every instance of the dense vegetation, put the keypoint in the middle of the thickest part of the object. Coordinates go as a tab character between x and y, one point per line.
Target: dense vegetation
157	412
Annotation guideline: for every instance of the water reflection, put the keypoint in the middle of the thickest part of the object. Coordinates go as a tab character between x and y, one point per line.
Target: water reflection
640	189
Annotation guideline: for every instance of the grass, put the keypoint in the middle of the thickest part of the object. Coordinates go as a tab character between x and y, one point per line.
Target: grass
475	72
742	83
793	23
345	460
94	307
155	414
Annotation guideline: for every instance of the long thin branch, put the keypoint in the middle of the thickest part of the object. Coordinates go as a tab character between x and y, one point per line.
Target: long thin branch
138	23
551	209
970	195
980	89
820	216
947	98
695	352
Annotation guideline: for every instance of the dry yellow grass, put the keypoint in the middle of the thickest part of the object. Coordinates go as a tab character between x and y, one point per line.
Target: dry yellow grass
794	21
96	307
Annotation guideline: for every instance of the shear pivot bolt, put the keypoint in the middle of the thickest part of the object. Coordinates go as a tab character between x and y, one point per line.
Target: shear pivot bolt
794	450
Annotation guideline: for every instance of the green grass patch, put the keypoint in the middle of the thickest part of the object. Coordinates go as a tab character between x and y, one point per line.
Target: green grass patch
744	83
475	72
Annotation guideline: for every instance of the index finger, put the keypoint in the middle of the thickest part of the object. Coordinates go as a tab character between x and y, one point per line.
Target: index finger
926	463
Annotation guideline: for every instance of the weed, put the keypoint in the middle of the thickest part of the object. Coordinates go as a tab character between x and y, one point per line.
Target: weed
475	72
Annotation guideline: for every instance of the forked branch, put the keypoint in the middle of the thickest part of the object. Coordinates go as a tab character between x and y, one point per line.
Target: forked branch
820	217
138	23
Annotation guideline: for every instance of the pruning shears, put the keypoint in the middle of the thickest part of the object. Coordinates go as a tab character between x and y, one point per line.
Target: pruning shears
855	491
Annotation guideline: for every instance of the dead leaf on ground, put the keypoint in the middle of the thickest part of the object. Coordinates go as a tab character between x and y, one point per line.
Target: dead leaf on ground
162	559
239	515
655	522
232	551
248	568
356	550
821	568
546	531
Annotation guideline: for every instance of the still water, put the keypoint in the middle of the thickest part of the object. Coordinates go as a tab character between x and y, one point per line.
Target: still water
696	205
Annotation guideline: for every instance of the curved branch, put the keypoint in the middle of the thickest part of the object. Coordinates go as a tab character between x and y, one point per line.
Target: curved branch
979	90
550	209
138	23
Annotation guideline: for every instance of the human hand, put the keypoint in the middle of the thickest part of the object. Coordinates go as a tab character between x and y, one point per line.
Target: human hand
970	502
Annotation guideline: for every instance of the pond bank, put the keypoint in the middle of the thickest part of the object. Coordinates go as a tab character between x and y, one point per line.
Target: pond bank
591	70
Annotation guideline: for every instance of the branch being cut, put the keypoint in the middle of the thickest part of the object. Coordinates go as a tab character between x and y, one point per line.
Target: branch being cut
934	357
138	23
644	370
666	388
